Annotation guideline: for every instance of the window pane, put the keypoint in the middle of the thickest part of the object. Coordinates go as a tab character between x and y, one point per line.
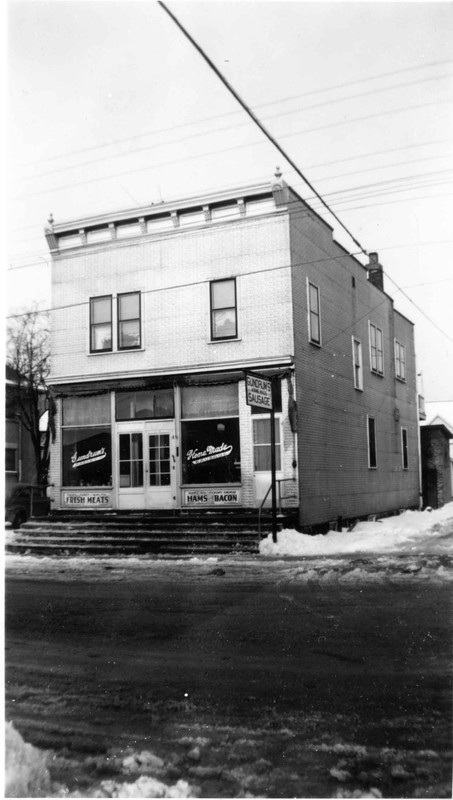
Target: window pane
91	410
101	309
210	401
210	451
125	408
87	456
129	333
314	327
371	442
101	337
10	459
163	403
223	294
224	324
129	306
314	299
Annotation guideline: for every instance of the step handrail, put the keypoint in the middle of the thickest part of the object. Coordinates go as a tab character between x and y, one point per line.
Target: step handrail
278	481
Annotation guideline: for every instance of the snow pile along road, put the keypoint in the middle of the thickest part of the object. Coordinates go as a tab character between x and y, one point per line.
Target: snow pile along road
411	532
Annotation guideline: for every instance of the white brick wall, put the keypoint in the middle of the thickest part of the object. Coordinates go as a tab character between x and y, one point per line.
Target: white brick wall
173	274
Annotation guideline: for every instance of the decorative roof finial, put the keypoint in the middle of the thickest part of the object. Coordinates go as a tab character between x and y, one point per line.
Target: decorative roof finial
50	220
278	172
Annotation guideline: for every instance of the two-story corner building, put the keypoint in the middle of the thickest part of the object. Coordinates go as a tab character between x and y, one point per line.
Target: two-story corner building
157	315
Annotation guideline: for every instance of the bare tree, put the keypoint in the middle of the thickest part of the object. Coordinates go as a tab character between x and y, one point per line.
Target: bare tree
28	354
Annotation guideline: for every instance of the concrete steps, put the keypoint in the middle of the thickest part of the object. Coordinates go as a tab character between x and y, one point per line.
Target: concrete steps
156	533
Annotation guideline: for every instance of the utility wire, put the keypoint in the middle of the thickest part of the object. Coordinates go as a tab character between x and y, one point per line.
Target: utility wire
223	129
262	105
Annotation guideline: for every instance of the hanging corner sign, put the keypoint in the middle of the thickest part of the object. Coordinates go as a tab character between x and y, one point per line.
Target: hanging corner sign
258	391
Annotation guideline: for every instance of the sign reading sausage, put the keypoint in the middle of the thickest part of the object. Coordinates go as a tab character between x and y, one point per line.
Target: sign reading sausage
258	391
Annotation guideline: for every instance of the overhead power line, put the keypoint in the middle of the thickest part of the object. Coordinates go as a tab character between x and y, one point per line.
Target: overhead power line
255	119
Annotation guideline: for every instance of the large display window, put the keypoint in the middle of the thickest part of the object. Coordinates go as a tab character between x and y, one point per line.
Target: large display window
87	441
210	442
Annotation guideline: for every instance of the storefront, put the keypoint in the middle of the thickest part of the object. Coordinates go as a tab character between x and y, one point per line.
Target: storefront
177	446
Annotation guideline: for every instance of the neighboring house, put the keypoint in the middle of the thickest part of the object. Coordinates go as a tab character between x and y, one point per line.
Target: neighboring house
437	475
159	311
19	455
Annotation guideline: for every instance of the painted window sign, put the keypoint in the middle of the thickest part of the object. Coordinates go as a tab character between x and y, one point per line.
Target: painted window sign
87	456
211	452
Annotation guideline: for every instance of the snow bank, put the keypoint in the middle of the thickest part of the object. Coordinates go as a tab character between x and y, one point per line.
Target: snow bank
26	773
409	531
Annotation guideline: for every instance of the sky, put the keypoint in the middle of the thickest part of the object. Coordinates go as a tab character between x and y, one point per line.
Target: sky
110	107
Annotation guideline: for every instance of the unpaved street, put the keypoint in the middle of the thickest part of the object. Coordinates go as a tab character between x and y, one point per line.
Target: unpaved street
242	677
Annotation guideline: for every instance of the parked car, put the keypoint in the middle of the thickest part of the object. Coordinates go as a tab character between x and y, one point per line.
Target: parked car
25	501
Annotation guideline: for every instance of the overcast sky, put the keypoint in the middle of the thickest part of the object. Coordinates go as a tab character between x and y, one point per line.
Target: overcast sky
110	107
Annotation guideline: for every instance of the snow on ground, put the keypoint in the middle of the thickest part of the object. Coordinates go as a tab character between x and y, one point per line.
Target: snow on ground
410	531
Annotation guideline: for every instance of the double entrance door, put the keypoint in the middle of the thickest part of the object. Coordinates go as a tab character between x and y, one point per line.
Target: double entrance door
146	465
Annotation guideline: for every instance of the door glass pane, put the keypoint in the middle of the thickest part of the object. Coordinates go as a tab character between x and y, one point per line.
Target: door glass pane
159	459
131	459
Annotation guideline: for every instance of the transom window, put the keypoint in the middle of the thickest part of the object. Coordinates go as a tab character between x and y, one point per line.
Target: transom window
223	309
400	361
101	324
314	314
129	321
376	350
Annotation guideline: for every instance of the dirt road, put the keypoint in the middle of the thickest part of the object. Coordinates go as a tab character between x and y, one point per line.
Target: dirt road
320	678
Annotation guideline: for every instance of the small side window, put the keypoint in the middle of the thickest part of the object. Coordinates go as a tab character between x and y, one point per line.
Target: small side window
372	450
357	363
400	361
314	314
404	450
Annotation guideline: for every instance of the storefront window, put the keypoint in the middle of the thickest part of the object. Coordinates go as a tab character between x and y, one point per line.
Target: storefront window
210	451
147	404
87	441
87	456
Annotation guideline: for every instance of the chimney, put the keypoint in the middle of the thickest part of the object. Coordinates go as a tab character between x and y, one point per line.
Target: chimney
376	272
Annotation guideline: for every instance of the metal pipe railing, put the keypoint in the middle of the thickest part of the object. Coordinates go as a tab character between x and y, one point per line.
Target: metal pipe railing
279	481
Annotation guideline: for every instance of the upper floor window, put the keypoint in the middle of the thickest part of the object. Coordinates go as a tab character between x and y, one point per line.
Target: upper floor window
372	449
400	361
11	461
376	350
314	314
100	324
357	363
129	321
224	309
404	449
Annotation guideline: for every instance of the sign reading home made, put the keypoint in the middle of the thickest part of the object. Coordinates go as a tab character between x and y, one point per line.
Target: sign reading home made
211	497
258	391
87	499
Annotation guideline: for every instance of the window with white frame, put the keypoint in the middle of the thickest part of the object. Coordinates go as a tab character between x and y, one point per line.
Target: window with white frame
376	350
400	361
224	324
314	313
262	445
404	449
372	448
357	363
